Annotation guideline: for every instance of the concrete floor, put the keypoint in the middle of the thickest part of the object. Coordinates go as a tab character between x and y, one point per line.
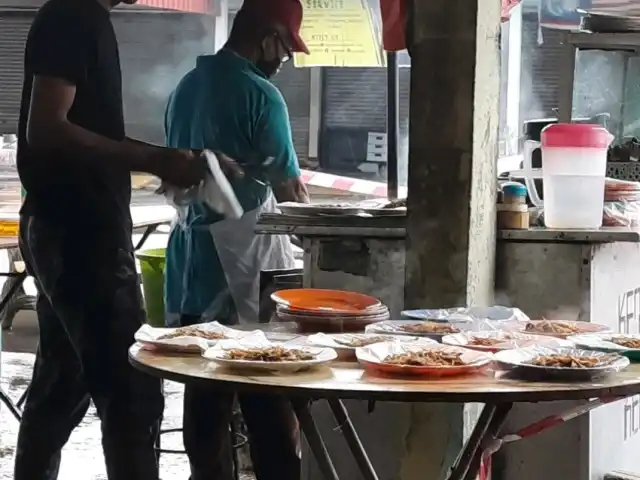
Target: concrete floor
84	448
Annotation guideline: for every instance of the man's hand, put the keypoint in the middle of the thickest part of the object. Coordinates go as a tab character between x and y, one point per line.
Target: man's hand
182	168
293	190
230	168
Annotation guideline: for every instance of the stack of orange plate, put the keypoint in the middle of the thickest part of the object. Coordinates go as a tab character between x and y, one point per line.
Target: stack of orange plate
329	311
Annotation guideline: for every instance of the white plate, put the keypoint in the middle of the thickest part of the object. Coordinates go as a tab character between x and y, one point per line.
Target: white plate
600	341
218	353
518	361
150	337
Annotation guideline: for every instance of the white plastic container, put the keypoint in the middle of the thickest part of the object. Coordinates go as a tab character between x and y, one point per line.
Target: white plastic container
574	163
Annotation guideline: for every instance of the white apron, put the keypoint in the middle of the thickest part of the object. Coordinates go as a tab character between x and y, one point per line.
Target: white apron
244	253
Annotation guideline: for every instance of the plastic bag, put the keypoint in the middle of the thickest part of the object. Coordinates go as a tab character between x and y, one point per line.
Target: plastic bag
621	214
215	191
467	314
621	203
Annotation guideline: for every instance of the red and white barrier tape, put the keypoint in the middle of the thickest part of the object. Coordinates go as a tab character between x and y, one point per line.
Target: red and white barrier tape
546	423
348	184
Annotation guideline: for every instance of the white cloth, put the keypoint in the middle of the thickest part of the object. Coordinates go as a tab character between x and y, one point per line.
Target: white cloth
215	191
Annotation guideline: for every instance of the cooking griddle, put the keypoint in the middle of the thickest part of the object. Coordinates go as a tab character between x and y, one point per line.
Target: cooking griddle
344	225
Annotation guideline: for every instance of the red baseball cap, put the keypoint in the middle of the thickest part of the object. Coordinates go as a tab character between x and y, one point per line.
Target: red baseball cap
287	13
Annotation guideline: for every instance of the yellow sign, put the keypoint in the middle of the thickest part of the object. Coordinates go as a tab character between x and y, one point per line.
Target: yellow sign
339	33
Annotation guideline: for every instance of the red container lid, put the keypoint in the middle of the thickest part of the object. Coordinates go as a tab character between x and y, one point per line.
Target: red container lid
576	135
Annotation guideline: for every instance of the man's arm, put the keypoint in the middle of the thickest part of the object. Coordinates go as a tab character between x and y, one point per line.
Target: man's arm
276	145
49	128
58	54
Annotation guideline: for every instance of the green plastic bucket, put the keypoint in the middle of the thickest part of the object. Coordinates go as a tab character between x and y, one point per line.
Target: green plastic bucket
152	267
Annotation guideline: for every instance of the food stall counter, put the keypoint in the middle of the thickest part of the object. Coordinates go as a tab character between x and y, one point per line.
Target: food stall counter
587	275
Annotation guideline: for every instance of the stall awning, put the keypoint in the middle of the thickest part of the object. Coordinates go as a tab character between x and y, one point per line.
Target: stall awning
394	19
193	6
507	6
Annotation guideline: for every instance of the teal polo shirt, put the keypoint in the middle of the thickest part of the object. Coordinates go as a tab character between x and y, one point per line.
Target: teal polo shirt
224	104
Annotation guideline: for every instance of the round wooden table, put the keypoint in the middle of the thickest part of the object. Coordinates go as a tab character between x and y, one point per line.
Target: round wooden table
349	381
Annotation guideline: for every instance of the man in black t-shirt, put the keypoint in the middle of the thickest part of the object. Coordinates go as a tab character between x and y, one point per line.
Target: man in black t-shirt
75	236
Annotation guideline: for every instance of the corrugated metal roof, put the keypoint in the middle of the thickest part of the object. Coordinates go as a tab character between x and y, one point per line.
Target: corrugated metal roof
193	6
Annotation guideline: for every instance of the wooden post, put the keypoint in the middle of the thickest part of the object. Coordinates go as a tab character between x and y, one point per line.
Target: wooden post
453	130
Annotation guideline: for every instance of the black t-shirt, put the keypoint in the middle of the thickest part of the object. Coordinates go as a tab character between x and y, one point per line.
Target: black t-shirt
74	40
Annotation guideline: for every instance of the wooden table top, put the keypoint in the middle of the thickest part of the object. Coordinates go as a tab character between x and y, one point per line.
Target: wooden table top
349	381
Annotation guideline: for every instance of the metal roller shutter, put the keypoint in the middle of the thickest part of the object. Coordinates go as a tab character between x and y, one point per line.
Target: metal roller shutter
355	104
540	71
598	85
295	85
357	98
14	28
156	50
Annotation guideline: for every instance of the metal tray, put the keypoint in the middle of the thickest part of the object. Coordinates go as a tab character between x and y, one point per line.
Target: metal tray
305	209
386	212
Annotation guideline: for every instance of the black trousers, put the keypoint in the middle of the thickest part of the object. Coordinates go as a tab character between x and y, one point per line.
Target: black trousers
274	436
89	307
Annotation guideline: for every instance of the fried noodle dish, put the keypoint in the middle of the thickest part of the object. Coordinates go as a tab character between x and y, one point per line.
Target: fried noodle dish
545	326
429	327
566	361
193	332
426	358
361	342
268	354
488	341
626	342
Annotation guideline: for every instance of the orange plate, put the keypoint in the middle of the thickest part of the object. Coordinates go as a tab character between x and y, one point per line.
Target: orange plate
319	300
424	371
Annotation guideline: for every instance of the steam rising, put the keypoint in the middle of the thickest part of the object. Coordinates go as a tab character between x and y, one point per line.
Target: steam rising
147	86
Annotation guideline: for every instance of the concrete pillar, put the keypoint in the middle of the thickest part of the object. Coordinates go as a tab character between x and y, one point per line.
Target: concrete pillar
513	72
453	132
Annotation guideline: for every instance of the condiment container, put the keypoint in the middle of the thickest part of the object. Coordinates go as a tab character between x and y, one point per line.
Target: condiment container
574	161
513	212
514	193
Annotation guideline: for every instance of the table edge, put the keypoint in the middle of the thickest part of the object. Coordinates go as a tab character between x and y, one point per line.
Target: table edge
388	396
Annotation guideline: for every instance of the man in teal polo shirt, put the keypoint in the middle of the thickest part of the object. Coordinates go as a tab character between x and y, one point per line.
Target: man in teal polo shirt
227	104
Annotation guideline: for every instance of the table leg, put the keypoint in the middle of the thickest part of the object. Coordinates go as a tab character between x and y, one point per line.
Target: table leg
145	236
15	411
467	465
312	434
13	295
353	441
17	280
